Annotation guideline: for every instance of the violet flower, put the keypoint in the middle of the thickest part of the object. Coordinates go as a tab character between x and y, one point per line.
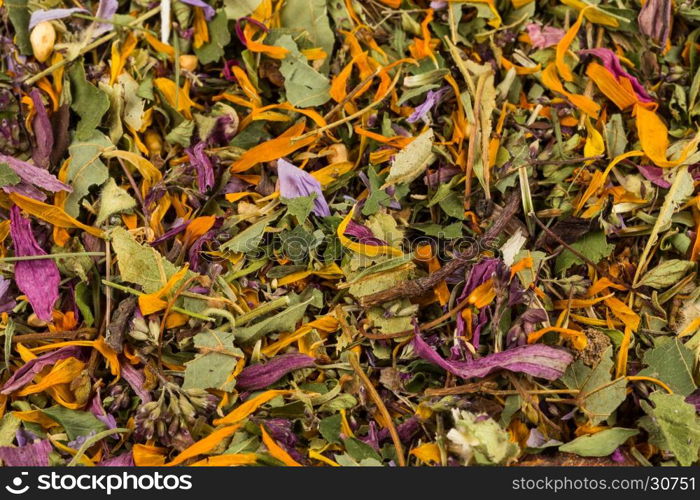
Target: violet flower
295	182
43	133
202	164
258	376
30	455
26	372
544	37
37	279
431	100
613	65
538	360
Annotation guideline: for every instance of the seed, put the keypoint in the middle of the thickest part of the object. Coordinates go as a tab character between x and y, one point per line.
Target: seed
42	39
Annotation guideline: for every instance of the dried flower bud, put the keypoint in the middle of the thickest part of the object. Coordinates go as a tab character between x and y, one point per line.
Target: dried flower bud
42	38
188	62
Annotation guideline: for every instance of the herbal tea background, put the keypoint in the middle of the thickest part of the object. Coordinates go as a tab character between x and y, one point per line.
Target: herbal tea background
340	233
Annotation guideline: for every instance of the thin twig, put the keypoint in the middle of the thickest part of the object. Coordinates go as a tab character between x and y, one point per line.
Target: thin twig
352	357
559	240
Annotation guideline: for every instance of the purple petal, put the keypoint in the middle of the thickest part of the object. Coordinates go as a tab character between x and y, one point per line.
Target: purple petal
196	248
31	455
544	37
37	279
27	372
537	360
39	16
694	399
105	10
33	175
123	460
259	376
202	164
295	182
42	131
363	234
612	64
431	100
136	380
480	273
175	229
98	410
654	174
655	20
209	11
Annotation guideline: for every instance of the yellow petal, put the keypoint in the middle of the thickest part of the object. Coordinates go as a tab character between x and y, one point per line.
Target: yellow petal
428	453
204	445
361	248
276	450
247	408
653	135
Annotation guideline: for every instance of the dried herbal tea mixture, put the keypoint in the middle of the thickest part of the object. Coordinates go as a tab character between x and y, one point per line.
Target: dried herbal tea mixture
349	232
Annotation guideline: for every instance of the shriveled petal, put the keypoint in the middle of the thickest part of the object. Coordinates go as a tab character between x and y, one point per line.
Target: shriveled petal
33	175
259	376
43	133
537	360
27	372
37	279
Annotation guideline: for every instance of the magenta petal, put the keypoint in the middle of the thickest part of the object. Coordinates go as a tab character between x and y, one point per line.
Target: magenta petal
202	165
654	174
37	279
612	64
27	372
33	175
295	182
30	455
42	131
544	37
259	376
363	234
136	380
538	360
123	460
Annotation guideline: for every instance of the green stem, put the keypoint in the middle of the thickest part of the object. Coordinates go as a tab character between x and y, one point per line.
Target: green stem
261	310
53	256
136	292
113	22
63	62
